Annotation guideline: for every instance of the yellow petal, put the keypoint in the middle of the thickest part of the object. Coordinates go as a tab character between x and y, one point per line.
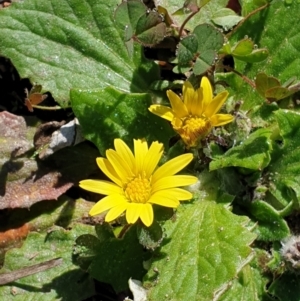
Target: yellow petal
162	111
146	214
207	92
124	151
115	212
107	203
119	164
171	167
177	193
100	186
140	151
221	119
178	106
163	200
173	181
216	104
109	170
152	158
133	212
190	97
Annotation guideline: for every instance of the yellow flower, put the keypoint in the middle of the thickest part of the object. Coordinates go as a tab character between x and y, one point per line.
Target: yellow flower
137	183
195	116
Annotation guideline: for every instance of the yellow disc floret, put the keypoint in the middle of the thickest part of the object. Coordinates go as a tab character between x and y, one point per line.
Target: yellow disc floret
138	190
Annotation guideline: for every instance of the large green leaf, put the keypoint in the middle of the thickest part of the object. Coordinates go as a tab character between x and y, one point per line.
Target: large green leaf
284	170
108	114
204	250
69	43
248	286
64	282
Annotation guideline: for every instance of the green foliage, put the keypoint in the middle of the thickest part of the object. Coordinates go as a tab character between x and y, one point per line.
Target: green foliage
253	153
204	250
54	283
114	260
78	46
108	62
108	114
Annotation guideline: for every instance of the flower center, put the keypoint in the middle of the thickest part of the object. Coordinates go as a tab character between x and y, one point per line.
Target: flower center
138	190
192	128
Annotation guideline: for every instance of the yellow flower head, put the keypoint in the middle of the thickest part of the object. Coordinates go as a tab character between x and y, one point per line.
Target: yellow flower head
137	183
195	116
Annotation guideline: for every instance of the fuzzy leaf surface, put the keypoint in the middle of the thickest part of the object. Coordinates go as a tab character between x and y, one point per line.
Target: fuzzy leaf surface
69	43
108	114
254	153
206	247
284	169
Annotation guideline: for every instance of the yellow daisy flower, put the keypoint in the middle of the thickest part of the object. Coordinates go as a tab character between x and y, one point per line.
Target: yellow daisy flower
137	183
195	116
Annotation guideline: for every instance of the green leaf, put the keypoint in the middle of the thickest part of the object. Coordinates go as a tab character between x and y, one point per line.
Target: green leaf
210	40
108	114
253	153
150	29
245	51
207	246
180	12
282	62
127	15
117	260
242	48
248	286
226	18
68	43
264	82
286	287
52	284
270	225
284	170
187	49
150	237
204	44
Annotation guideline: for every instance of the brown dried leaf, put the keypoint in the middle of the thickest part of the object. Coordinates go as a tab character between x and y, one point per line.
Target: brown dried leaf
24	180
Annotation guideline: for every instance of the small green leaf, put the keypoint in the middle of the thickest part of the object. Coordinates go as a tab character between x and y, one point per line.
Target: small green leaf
243	47
226	18
210	40
150	29
207	246
264	82
253	154
108	114
270	225
187	49
127	15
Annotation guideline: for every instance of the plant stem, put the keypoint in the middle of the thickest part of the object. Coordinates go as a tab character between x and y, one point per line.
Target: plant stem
124	230
186	20
246	18
245	78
